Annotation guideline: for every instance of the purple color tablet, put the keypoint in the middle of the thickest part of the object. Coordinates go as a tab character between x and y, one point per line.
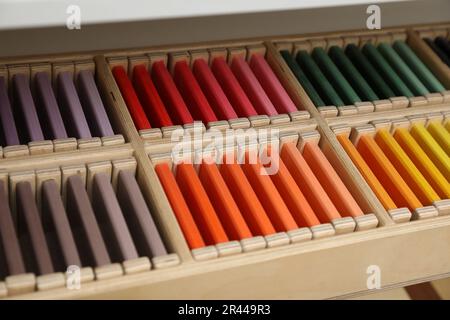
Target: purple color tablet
82	219
93	105
8	236
111	219
70	106
30	224
25	108
55	220
7	122
139	219
48	107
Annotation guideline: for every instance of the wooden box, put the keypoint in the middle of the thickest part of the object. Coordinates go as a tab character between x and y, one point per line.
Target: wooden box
396	251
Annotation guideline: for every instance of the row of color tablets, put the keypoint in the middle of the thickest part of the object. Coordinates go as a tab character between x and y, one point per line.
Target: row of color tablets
409	168
33	112
219	91
352	75
219	203
440	46
55	232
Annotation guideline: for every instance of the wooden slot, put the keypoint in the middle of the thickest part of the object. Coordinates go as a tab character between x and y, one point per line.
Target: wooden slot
155	57
14	179
67	172
256	49
61	67
302	45
236	52
334	41
43	175
84	65
175	57
129	165
136	61
104	167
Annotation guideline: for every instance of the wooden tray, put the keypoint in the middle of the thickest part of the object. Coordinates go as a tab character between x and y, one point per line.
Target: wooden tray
335	266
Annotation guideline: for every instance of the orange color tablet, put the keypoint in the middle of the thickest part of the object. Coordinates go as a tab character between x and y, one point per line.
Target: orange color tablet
226	208
330	181
203	211
179	206
249	204
366	172
308	183
293	197
269	196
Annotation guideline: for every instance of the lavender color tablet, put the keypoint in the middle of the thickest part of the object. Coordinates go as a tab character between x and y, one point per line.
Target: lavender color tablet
70	106
55	220
82	219
93	105
48	107
25	109
8	236
30	222
7	123
138	216
111	219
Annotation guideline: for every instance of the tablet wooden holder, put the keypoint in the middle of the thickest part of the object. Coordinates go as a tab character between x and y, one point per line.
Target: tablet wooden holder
332	266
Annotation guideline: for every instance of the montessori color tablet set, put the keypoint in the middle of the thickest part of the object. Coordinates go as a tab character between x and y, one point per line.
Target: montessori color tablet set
90	184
